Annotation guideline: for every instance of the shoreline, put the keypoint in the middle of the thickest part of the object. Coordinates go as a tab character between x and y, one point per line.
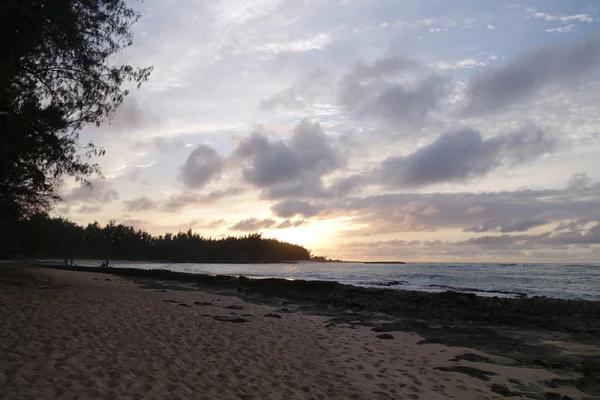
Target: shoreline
530	335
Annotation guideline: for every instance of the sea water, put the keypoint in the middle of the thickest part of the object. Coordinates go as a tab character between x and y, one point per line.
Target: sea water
567	281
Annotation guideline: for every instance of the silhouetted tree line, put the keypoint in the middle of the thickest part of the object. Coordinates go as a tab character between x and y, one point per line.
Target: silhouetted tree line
42	236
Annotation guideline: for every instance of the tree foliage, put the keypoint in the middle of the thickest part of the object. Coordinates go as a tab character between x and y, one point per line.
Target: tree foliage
41	236
57	74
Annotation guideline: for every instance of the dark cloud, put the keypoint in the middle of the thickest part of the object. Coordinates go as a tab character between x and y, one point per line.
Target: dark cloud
178	202
547	239
90	209
140	204
528	72
291	224
202	165
572	226
411	212
315	189
507	226
254	224
300	94
461	155
92	198
552	245
303	160
394	90
289	208
579	181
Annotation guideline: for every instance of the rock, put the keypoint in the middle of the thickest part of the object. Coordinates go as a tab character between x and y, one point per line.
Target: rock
183	305
473	358
95	279
276	316
171	301
504	391
553	396
474	372
235	320
107	279
234	307
385	336
539	363
202	303
284	310
565	397
161	291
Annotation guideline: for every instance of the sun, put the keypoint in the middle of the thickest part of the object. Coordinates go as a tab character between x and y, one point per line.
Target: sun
319	234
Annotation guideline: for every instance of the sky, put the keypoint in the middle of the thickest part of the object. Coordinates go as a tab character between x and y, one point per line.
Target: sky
416	130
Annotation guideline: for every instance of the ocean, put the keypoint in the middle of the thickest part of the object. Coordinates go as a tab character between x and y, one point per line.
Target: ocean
566	281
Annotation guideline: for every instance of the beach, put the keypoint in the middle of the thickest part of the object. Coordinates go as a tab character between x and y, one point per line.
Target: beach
73	334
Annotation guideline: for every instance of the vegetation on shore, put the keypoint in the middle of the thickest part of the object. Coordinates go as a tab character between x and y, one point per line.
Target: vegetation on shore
41	236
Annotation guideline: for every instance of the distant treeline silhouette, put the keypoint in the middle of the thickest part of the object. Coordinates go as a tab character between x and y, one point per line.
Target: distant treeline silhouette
42	236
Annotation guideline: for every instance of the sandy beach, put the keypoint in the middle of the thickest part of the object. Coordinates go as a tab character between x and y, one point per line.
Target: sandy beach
79	335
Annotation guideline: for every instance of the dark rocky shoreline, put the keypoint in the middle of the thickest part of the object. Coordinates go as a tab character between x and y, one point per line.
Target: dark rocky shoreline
570	316
516	328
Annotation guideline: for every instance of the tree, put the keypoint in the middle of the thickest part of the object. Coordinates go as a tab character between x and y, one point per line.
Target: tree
41	236
56	76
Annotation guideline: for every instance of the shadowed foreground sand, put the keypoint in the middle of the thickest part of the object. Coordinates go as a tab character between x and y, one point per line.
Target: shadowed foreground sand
73	335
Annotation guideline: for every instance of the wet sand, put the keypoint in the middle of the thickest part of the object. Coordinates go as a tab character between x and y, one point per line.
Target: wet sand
68	335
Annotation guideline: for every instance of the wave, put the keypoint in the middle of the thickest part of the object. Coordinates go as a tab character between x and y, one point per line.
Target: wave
383	283
475	290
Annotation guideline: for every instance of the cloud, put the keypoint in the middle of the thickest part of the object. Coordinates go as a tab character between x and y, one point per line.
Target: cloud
290	208
466	63
130	117
163	145
299	95
177	203
315	189
90	209
507	226
528	72
545	239
254	224
563	29
579	181
462	155
564	18
489	211
139	204
304	159
396	90
202	165
291	224
92	198
317	42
